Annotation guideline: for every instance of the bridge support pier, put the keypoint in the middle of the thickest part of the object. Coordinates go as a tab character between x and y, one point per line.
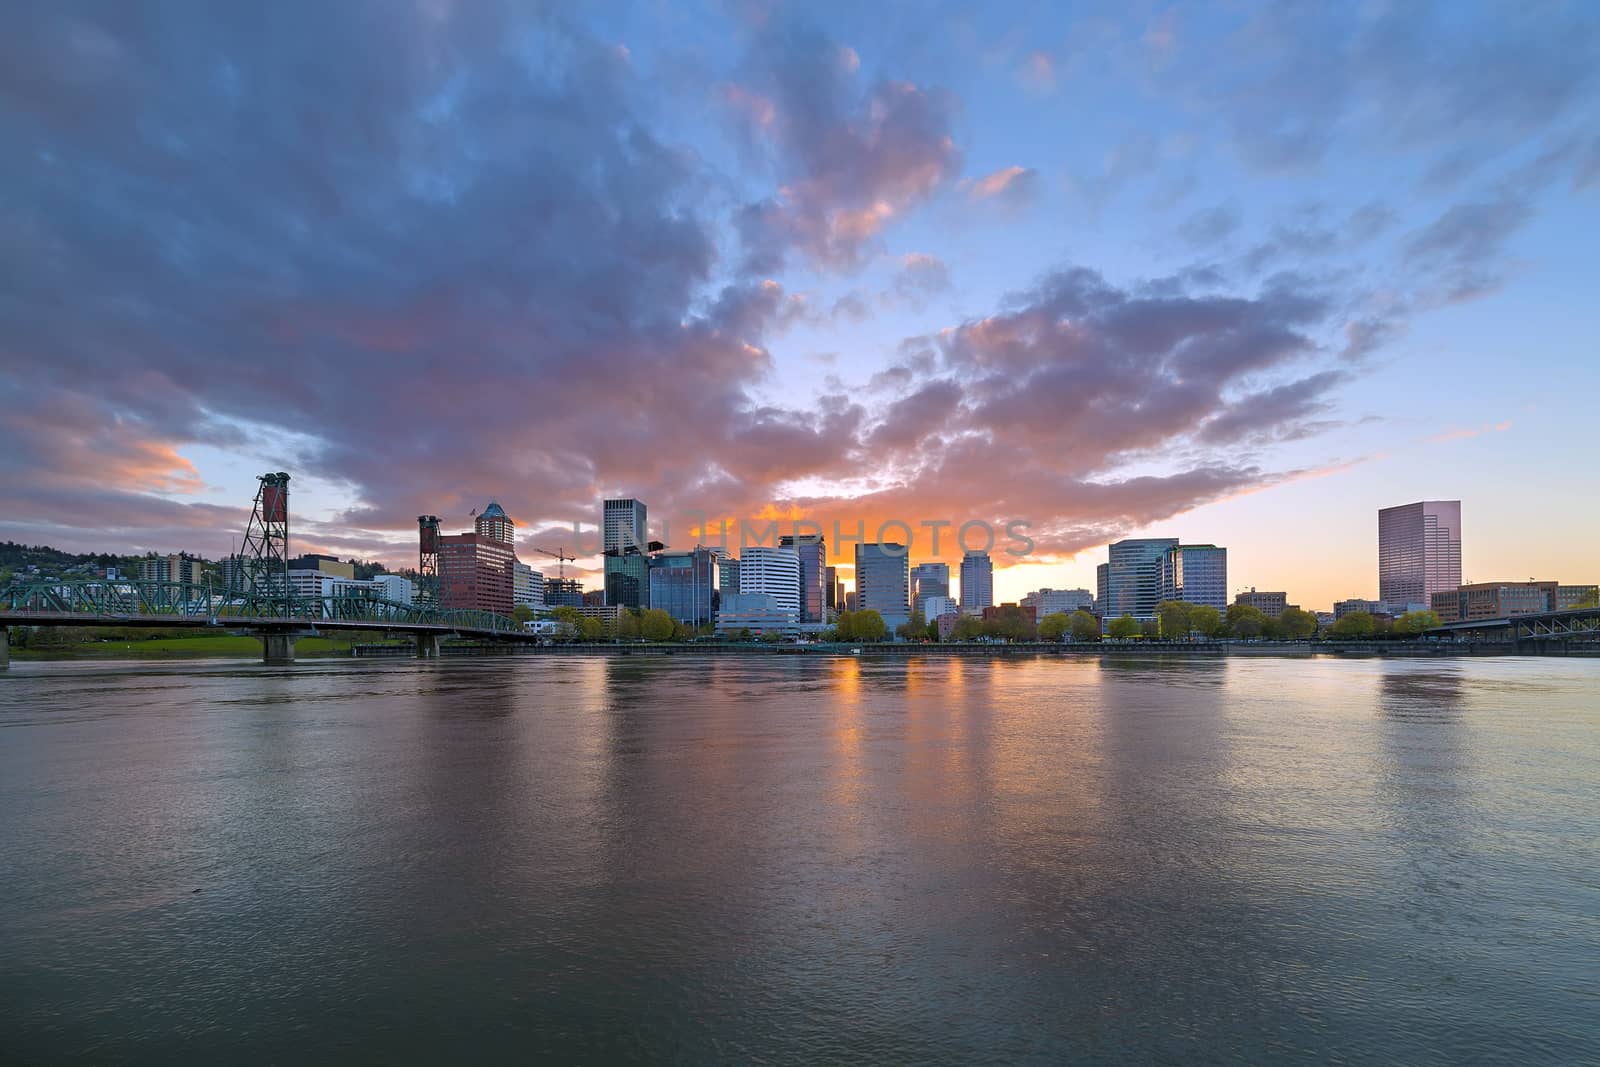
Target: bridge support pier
5	648
277	650
428	646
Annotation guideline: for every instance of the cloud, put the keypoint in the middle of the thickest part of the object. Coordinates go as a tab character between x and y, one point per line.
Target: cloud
1013	187
920	276
1210	226
1464	434
1463	248
850	157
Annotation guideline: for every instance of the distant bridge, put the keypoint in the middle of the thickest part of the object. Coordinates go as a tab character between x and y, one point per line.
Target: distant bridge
1576	625
277	619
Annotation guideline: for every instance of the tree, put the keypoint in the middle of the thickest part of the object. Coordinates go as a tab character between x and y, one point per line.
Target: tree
1174	616
772	637
1297	624
1053	627
1414	622
656	625
1085	627
522	613
744	634
868	626
933	629
628	624
1354	626
967	628
1124	628
1244	620
590	628
569	620
913	629
1205	620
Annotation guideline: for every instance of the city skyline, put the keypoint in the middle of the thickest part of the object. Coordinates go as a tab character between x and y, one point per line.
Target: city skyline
831	264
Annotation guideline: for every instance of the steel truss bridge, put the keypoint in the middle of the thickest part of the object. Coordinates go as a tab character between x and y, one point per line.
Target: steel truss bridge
276	618
1579	625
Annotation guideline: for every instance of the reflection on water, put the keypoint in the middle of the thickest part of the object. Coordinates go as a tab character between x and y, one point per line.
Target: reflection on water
801	859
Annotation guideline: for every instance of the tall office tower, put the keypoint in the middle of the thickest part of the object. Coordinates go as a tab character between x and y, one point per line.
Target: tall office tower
813	569
1133	576
977	582
1419	551
627	579
831	588
682	584
727	575
1195	574
622	525
773	572
883	582
1102	587
495	524
928	579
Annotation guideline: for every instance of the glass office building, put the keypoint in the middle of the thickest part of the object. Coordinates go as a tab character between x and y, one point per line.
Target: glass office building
883	582
1195	574
813	553
977	582
1132	578
683	584
1419	551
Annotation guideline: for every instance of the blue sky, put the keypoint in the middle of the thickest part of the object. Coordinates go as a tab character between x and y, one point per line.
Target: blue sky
1240	273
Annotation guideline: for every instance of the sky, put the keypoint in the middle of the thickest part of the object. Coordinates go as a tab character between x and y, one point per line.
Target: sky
1237	273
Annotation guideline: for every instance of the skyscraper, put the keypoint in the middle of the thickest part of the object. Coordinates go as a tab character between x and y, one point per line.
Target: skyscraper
813	555
1195	574
928	579
977	582
773	572
830	589
682	583
495	524
622	524
1419	551
883	582
1133	576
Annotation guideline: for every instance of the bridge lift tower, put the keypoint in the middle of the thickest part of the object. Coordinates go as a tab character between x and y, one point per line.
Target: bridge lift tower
428	560
265	555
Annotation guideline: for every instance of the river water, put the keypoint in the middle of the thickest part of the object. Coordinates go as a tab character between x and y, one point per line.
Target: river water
797	859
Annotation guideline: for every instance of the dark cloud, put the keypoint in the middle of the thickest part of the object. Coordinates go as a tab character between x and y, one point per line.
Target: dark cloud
1210	226
850	154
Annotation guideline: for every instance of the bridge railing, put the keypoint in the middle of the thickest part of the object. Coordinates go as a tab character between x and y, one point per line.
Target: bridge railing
114	598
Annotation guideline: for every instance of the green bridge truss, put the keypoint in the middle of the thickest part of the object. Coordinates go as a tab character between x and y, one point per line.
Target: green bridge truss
113	602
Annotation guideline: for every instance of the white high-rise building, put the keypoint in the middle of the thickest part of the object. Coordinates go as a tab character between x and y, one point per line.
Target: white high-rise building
527	586
622	525
773	572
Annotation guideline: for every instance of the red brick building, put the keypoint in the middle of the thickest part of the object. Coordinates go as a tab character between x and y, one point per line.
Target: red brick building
477	570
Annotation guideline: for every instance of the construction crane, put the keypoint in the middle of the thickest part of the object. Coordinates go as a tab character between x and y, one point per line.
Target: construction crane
561	556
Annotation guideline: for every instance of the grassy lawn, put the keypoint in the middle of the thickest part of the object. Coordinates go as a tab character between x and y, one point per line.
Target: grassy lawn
183	647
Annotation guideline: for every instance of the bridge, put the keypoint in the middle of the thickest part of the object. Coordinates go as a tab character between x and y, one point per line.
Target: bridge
259	598
276	620
1574	626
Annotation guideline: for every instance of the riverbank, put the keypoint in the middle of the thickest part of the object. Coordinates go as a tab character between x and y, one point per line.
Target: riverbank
238	646
209	646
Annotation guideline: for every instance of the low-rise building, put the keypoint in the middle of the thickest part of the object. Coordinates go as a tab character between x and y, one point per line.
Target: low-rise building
1271	605
1059	601
935	606
1570	596
1495	600
760	613
527	586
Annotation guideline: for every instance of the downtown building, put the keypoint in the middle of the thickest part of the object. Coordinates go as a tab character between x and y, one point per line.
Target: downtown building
1195	574
1130	580
563	593
1495	600
813	553
624	547
977	583
1419	551
1271	605
527	587
765	571
1059	601
179	568
928	580
477	571
684	585
883	582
